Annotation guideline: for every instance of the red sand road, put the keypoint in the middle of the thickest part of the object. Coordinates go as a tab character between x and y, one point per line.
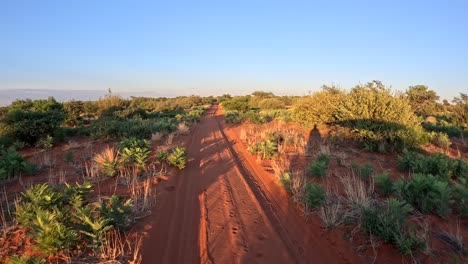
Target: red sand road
221	209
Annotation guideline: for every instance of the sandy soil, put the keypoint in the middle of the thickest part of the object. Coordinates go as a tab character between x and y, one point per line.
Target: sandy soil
221	209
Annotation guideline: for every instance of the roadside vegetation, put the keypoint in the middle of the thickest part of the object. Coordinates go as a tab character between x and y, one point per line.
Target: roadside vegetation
381	165
69	209
422	139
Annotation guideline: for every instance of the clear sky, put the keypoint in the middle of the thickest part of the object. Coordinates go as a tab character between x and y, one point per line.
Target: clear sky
214	47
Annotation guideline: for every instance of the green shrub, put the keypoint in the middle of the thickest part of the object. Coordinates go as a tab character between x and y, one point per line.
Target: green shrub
426	193
255	117
367	171
317	109
61	220
135	151
278	115
324	157
285	180
118	211
364	171
69	156
110	128
266	148
388	221
446	128
12	164
315	196
318	169
380	119
440	139
384	183
232	117
177	158
240	104
29	127
46	142
24	259
437	164
460	193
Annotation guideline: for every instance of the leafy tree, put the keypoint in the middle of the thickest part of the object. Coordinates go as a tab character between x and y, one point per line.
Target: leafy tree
74	111
271	103
422	99
460	110
240	104
317	109
262	94
29	127
379	117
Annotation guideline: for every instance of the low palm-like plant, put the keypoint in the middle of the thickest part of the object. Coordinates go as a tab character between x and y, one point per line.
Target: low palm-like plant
177	158
108	161
266	148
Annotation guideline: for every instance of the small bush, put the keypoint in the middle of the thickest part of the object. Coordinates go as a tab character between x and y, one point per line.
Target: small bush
46	142
318	169
61	220
232	117
285	180
426	193
266	148
177	158
384	183
437	164
29	126
364	171
382	120
460	193
135	151
315	196
118	211
440	139
255	117
12	164
388	221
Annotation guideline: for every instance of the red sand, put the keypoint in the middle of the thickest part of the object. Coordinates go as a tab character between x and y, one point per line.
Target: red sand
224	209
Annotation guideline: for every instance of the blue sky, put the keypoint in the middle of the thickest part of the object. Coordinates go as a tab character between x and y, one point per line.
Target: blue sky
215	47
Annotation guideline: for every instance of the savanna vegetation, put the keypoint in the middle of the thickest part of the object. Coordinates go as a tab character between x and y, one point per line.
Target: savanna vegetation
66	212
378	163
422	139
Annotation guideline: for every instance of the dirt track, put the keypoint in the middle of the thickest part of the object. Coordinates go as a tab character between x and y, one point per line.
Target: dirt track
224	209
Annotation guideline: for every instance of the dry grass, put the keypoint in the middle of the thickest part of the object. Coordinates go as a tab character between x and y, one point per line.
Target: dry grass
331	213
358	194
144	197
90	171
118	248
128	175
109	154
170	139
454	240
71	145
46	160
298	182
183	129
156	137
280	166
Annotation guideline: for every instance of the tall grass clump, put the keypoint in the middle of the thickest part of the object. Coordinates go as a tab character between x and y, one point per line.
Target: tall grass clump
108	161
